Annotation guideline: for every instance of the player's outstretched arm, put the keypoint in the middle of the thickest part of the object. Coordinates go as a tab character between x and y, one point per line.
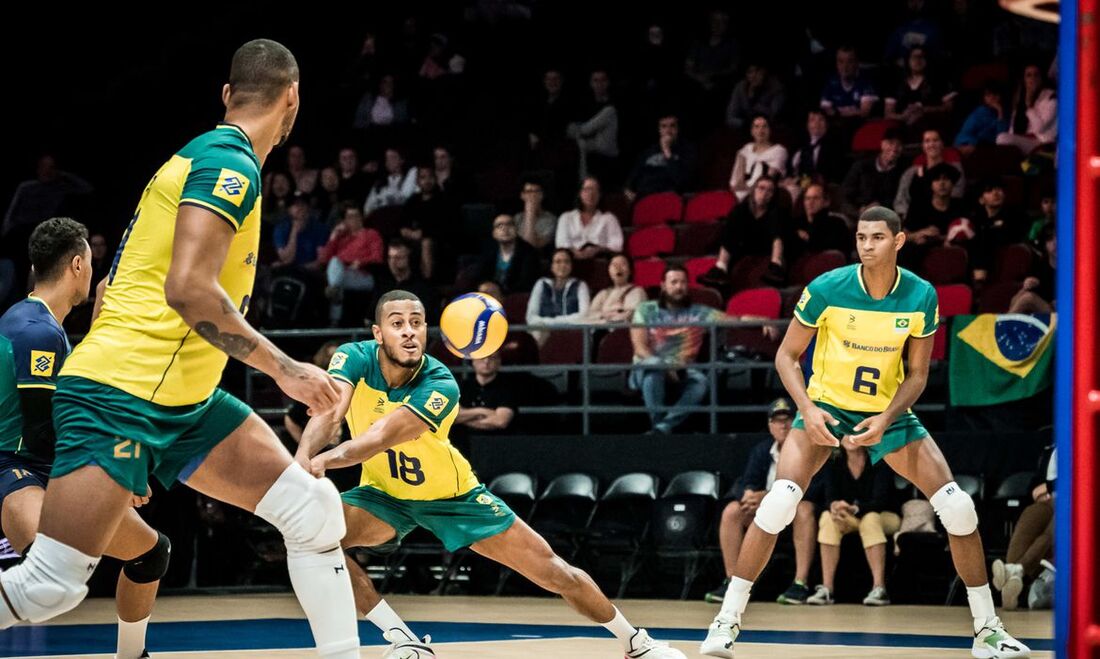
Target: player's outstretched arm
193	291
324	429
395	428
795	342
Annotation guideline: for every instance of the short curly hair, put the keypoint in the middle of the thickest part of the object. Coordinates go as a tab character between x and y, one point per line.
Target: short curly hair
53	244
882	214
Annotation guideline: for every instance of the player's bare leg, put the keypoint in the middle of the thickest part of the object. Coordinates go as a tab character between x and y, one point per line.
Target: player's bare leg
19	516
305	510
145	554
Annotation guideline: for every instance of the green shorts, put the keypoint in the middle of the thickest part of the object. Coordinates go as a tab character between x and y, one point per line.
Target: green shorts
129	437
905	429
457	522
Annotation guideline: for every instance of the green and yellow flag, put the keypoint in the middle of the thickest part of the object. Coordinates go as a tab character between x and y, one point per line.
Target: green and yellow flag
999	358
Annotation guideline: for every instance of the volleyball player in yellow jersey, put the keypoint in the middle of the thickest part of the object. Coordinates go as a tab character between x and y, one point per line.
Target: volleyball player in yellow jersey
400	404
139	394
864	316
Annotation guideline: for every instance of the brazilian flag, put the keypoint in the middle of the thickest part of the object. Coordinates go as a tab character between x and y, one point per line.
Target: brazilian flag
999	358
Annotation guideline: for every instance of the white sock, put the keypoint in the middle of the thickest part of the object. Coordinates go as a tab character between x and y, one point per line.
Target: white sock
981	604
623	630
385	618
131	638
736	599
323	588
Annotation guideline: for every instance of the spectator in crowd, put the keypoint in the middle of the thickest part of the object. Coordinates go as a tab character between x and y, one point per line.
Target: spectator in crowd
101	257
400	274
489	399
1045	216
300	237
535	225
351	250
1038	292
994	225
759	158
326	197
588	230
711	62
617	302
278	193
667	166
41	198
915	188
754	483
816	229
550	114
754	228
560	298
918	31
927	225
984	122
451	181
919	95
297	415
655	68
1031	548
395	186
759	93
820	158
354	184
596	129
1034	118
848	92
665	353
383	107
874	181
429	222
857	494
305	177
492	289
510	262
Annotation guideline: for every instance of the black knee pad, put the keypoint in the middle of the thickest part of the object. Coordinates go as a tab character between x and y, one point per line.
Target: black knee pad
151	565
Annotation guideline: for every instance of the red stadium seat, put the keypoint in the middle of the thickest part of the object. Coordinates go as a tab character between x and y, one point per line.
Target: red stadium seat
709	206
810	266
563	347
989	160
659	208
515	307
615	348
439	351
749	271
763	302
592	272
648	272
699	266
945	265
979	74
706	296
869	136
618	205
954	300
651	241
997	296
698	239
1013	263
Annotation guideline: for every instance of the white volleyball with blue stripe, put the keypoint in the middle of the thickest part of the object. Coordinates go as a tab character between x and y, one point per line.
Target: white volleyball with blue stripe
473	325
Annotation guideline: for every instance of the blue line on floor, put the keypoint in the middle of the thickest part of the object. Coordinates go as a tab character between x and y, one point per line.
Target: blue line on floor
273	634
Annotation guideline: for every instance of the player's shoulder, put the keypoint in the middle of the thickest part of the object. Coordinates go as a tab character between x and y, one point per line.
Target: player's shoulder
837	279
436	371
225	146
30	319
914	286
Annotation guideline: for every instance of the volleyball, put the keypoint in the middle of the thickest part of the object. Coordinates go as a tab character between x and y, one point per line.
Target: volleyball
473	326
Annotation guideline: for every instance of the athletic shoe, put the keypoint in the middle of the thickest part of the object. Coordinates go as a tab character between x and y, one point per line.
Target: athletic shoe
719	641
796	594
718	595
406	647
993	642
1009	579
821	597
1041	595
877	597
643	645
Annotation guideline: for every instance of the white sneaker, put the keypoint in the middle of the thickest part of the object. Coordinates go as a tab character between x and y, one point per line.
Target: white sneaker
877	597
405	647
993	642
1009	579
719	641
643	645
821	597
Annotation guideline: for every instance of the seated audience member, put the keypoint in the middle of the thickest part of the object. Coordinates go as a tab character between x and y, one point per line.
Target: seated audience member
754	228
400	275
535	225
558	299
382	106
616	303
760	158
919	95
874	181
354	183
395	186
1031	548
666	353
667	166
299	238
305	177
510	262
985	122
588	231
848	92
326	197
452	181
1038	292
995	226
857	495
278	193
349	254
597	129
492	289
927	224
297	415
759	93
429	221
757	479
816	229
712	60
489	399
820	158
1034	118
549	114
915	187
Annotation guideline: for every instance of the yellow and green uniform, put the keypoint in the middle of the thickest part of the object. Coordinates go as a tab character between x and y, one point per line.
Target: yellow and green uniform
858	363
426	481
140	391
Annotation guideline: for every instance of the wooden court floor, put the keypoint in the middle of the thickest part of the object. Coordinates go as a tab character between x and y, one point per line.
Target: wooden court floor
514	628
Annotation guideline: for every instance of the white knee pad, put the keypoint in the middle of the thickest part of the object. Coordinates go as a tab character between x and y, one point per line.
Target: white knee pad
306	510
955	509
52	580
778	507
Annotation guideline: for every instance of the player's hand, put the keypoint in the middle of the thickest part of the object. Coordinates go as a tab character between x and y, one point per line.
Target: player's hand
317	466
818	422
309	385
138	501
868	432
305	461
